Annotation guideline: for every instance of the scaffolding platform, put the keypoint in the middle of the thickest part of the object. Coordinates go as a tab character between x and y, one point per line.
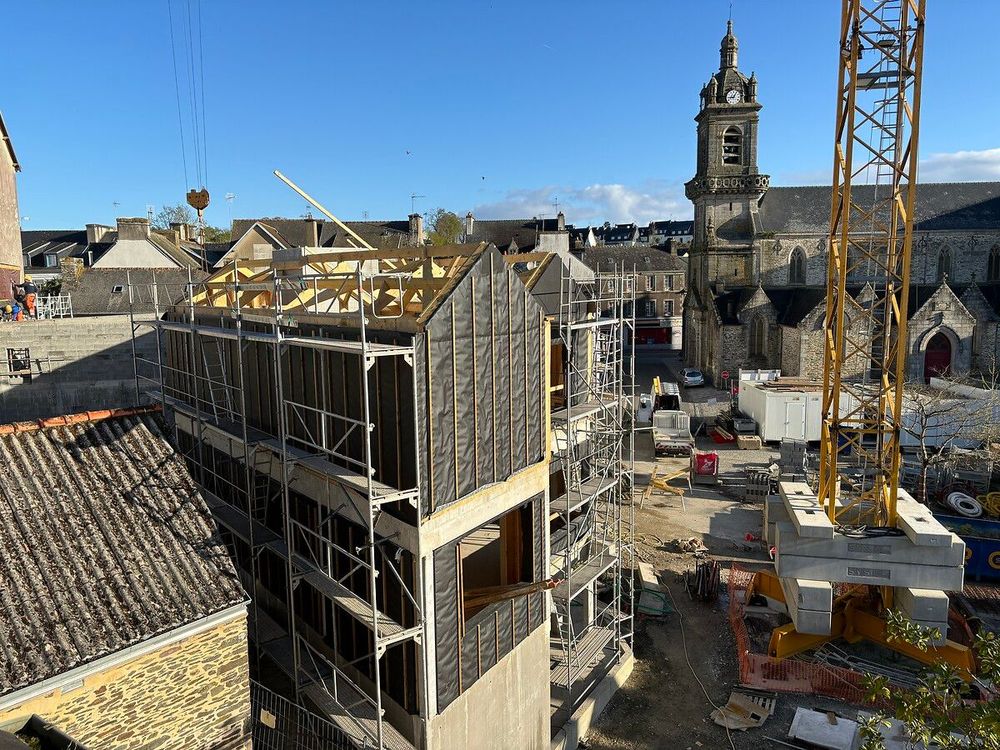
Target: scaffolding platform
238	522
360	609
358	722
582	410
582	575
589	650
586	491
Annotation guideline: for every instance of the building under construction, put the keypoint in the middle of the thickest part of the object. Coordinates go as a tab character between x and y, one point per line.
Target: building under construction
421	459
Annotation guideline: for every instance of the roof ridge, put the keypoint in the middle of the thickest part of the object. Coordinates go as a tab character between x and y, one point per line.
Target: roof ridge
98	415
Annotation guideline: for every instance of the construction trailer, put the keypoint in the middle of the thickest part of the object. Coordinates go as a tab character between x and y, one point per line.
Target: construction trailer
372	430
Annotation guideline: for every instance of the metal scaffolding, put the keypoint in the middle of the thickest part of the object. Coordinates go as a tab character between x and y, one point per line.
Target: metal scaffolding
220	325
594	445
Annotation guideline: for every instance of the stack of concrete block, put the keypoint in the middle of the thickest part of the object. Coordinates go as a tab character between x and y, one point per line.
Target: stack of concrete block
811	553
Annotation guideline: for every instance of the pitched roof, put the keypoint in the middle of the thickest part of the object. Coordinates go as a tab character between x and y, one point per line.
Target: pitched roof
93	292
523	233
643	259
793	305
106	543
943	205
5	137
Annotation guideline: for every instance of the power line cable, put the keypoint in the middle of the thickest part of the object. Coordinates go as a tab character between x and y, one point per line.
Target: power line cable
201	66
177	91
194	98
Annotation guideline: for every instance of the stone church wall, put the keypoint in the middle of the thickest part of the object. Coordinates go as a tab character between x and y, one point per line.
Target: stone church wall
969	251
774	256
940	313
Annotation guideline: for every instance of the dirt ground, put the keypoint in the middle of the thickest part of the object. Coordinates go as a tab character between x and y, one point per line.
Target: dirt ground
662	704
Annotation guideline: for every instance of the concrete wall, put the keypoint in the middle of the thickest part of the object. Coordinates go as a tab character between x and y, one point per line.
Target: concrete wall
77	364
10	224
507	707
192	693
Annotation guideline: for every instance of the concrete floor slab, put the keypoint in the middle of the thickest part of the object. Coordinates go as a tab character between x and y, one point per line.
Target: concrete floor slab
900	549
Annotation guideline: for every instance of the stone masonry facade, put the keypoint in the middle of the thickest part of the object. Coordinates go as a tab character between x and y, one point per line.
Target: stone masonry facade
758	261
10	222
193	694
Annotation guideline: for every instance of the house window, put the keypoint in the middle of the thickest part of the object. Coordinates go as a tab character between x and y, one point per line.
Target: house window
944	263
670	282
51	261
758	337
732	146
993	272
797	267
668	308
651	282
495	557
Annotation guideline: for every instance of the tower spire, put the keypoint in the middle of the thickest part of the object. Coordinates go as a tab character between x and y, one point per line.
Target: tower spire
729	49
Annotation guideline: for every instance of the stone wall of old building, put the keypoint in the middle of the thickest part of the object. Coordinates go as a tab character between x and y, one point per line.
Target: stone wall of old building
942	313
773	258
193	694
968	254
758	308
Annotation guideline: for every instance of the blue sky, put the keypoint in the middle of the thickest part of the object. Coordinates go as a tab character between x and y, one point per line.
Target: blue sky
504	106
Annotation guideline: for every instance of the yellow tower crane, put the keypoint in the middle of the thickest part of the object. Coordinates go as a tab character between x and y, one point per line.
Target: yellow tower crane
869	246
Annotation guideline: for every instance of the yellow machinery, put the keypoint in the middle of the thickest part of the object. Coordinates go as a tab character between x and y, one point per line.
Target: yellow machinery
871	231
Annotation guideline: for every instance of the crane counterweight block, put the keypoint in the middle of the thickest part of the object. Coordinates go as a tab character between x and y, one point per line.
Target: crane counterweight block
198	199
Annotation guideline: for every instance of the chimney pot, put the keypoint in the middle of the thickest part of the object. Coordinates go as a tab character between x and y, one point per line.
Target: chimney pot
470	223
182	230
561	221
312	232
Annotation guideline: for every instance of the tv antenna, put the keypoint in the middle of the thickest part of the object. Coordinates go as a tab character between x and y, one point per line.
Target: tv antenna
230	197
413	202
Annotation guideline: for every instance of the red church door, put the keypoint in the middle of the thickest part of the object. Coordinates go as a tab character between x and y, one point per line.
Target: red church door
937	358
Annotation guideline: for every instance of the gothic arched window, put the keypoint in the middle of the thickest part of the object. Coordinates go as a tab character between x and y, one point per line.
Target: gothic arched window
732	146
944	263
993	271
797	267
758	336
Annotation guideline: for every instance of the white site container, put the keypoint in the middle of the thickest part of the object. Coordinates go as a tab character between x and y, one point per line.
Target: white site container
783	413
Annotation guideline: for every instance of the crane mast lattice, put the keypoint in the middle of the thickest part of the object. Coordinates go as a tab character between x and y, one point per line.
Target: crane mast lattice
871	230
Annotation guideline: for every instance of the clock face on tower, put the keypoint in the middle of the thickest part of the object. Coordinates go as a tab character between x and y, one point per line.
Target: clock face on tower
733	96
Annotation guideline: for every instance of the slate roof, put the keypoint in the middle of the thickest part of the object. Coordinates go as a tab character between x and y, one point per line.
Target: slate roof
940	205
523	233
93	292
793	305
106	543
297	233
643	259
62	243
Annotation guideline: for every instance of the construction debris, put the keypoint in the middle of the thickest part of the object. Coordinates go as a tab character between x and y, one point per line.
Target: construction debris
702	583
743	711
824	730
687	545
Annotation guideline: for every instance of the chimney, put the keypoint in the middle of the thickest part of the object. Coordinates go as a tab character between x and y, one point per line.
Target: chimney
470	223
133	229
97	233
72	268
416	229
312	232
182	230
561	222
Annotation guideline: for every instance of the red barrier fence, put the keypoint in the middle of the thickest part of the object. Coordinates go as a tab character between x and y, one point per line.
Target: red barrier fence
784	675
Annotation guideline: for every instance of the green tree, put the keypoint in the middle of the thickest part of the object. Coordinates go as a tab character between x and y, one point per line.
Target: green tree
445	226
167	215
217	234
938	706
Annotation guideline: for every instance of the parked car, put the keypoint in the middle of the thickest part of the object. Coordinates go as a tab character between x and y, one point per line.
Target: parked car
691	377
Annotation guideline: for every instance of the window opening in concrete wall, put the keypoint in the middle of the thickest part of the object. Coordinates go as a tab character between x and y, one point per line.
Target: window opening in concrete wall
495	559
732	146
19	363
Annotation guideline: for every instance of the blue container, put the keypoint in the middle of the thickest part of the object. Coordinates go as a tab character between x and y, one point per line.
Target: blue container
982	545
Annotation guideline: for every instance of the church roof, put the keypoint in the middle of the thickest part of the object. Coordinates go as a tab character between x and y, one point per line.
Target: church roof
940	205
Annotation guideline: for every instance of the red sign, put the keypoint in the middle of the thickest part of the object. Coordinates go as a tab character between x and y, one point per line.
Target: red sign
725	374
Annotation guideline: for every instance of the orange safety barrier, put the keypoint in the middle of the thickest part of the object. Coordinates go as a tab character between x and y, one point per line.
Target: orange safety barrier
764	672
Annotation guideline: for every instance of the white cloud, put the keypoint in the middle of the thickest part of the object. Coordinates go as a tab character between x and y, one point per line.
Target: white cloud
593	204
961	166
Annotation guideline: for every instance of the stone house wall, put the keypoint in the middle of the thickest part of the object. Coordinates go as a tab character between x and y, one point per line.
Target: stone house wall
192	694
